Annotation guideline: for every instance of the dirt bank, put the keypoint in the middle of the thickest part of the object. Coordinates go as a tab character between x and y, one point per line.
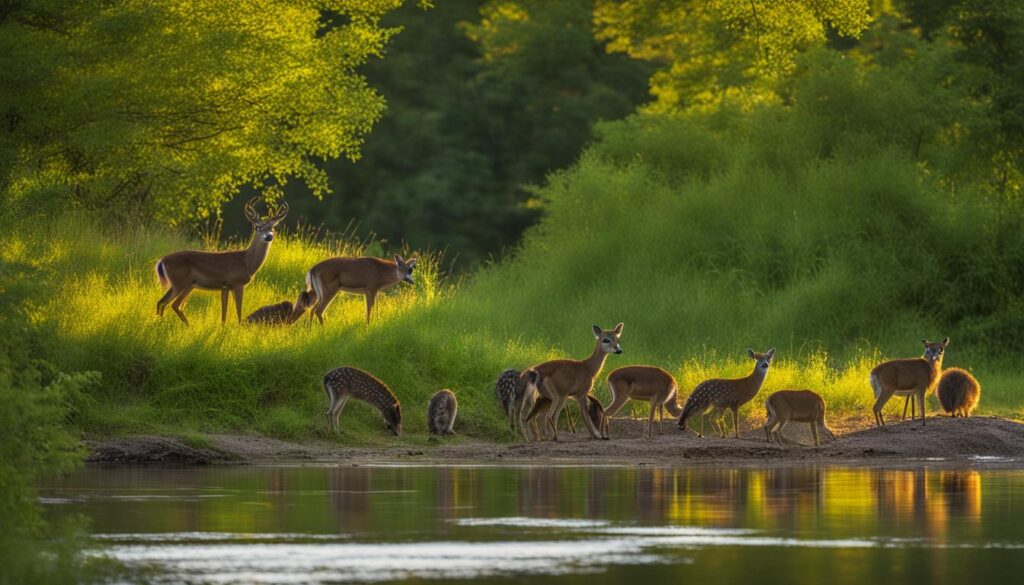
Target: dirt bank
941	438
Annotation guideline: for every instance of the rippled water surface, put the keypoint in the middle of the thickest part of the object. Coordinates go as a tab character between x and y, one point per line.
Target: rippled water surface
553	524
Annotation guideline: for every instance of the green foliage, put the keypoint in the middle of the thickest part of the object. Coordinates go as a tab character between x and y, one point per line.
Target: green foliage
166	108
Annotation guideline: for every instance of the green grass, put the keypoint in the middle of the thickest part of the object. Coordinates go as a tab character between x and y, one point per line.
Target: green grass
705	234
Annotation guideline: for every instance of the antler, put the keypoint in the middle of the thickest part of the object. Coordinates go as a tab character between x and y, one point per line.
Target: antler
250	211
280	213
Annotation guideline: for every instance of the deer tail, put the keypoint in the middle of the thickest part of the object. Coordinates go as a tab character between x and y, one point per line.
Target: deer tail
876	387
161	273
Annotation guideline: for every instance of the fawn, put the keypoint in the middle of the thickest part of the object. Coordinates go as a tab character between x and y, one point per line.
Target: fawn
283	313
649	383
958	392
715	395
511	390
787	406
347	382
364	276
441	412
559	380
904	377
595	412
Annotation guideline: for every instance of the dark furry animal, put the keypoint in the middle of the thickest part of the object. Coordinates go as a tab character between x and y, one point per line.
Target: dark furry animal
441	412
958	392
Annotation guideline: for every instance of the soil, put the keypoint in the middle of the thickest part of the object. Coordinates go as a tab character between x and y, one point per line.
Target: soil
974	440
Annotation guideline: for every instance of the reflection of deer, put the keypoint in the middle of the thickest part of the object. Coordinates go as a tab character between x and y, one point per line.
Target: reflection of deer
595	412
283	313
716	395
347	382
559	380
913	376
364	276
441	412
182	272
654	385
787	406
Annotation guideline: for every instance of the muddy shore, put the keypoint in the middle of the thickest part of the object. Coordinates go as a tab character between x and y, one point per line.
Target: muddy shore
972	439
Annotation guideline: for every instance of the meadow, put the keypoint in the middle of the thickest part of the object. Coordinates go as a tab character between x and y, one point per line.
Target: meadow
705	234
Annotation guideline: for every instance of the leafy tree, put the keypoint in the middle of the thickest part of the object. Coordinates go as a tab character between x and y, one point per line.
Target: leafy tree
166	107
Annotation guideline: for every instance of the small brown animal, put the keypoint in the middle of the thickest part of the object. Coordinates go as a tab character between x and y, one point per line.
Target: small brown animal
505	391
648	383
283	313
347	382
787	406
182	272
595	412
363	276
520	391
716	395
958	392
913	376
441	412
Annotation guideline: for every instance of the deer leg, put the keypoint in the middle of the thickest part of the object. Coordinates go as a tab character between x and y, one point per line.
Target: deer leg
223	305
879	405
237	293
569	423
176	304
650	418
618	401
920	400
735	421
162	303
322	304
370	299
553	414
772	421
906	403
336	414
814	433
779	429
661	418
581	402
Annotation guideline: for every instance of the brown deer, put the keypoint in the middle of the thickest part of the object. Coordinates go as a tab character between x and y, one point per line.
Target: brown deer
648	383
595	412
441	412
364	276
913	376
559	380
517	397
958	392
283	313
716	395
786	406
182	272
347	382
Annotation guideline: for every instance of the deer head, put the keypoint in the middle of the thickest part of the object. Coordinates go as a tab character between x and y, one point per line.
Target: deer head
263	229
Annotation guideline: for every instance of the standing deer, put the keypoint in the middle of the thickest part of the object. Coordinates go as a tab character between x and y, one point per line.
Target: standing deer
787	406
716	395
559	380
182	272
364	276
347	382
648	383
517	395
913	376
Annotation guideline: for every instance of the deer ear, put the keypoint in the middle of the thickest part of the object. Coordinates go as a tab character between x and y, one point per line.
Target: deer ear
771	353
945	342
750	353
399	259
597	331
618	329
924	341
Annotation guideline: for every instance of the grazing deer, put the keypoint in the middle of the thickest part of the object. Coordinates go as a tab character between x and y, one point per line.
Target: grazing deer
595	412
559	380
958	392
363	275
441	412
716	395
182	272
786	406
648	383
913	376
347	382
283	313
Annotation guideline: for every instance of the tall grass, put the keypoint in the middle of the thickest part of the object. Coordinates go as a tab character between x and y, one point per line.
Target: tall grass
802	227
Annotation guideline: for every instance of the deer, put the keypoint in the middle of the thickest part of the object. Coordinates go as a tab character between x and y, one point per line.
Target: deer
346	382
647	383
716	395
787	406
515	401
594	411
559	380
907	377
283	313
362	275
441	412
958	392
182	272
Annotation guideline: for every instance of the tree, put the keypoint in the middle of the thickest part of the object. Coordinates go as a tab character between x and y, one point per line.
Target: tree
165	108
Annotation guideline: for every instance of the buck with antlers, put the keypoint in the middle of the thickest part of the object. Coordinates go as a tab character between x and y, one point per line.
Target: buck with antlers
365	276
182	272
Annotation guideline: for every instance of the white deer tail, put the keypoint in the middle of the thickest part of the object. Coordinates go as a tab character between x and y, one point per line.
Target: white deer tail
161	273
876	387
313	284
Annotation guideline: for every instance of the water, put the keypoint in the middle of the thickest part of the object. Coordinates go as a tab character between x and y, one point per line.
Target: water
552	524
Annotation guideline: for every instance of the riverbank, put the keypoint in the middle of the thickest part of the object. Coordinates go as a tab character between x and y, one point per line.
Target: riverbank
942	438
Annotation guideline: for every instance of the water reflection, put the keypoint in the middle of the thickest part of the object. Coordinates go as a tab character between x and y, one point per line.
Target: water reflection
867	519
